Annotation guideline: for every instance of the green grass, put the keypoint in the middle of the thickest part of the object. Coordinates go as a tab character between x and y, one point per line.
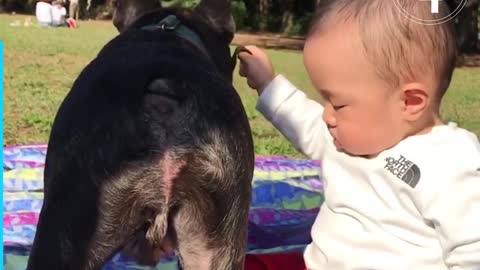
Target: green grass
42	64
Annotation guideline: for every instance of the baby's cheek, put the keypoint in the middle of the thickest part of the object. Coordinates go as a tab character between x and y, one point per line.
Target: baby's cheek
358	139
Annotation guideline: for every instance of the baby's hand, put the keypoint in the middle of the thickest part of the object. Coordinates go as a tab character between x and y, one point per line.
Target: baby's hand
257	68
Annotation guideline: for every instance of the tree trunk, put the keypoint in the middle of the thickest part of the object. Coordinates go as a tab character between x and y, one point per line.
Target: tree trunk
263	7
467	27
287	8
252	14
264	13
466	24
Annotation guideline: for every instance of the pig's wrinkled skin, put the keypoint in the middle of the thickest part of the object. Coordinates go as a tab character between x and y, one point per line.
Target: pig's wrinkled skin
148	156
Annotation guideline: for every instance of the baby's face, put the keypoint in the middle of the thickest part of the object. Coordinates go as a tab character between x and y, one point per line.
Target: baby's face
362	113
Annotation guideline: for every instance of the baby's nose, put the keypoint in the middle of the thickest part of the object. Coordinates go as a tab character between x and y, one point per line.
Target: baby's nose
328	117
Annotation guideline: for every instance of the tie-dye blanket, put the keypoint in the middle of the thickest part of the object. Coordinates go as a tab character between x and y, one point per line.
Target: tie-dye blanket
286	197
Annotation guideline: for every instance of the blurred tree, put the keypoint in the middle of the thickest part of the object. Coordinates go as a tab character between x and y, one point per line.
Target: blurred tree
466	24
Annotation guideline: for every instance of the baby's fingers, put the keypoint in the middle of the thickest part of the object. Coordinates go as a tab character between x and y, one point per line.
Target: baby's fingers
243	70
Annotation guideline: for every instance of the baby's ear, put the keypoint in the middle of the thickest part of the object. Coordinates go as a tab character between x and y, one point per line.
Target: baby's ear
416	99
219	15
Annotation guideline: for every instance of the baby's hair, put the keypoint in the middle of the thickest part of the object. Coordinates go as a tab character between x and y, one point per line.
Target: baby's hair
400	49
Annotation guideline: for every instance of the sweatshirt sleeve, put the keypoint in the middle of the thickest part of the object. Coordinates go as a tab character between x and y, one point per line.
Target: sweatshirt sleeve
453	209
298	118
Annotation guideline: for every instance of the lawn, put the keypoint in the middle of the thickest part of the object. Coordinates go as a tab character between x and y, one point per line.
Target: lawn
41	65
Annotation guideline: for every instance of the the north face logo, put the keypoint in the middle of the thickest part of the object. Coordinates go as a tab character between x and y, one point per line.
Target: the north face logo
404	169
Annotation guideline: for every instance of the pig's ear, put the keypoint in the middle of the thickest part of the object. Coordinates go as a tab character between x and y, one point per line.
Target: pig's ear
125	12
219	15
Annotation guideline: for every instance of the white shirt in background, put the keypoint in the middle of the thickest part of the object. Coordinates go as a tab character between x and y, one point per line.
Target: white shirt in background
58	15
43	12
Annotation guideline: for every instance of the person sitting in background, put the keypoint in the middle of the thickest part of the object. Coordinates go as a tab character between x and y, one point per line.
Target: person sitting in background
43	12
58	14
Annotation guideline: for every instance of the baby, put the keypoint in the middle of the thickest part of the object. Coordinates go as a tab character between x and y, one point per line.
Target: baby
402	188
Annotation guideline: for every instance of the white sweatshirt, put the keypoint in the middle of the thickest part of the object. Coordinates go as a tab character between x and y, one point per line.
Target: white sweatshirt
43	11
414	206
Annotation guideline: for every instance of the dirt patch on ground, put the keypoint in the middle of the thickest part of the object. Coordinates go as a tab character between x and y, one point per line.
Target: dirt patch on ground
469	60
269	41
281	42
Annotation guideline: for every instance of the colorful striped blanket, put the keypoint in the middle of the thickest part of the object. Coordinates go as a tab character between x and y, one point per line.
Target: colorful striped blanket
286	197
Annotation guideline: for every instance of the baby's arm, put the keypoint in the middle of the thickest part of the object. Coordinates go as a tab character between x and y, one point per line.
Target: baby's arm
454	211
298	118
